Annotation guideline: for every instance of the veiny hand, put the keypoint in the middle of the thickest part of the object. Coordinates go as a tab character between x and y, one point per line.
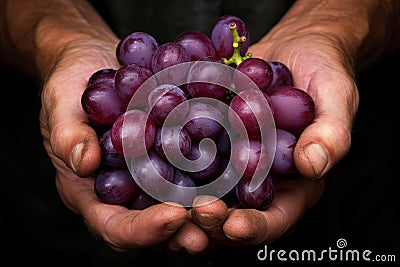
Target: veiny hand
75	152
322	67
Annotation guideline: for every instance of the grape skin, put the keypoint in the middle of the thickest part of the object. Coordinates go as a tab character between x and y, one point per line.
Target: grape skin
197	44
137	47
293	108
115	185
221	36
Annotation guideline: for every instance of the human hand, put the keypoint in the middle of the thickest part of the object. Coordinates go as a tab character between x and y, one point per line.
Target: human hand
323	68
75	152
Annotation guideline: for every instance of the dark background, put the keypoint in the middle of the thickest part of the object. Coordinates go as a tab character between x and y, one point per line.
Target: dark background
360	203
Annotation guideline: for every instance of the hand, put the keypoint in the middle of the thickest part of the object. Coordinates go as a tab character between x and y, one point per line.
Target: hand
75	152
322	67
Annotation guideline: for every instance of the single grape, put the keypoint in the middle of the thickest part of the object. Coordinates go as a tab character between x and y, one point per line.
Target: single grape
203	121
293	108
283	162
109	155
129	78
257	70
197	44
200	156
163	101
259	199
102	76
114	186
174	141
251	109
250	157
137	47
149	172
215	76
167	55
221	36
282	76
102	104
133	133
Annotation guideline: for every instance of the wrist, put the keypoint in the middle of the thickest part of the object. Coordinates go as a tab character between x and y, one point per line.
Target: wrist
362	29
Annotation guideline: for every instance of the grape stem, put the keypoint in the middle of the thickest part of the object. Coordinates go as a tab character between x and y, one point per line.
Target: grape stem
237	42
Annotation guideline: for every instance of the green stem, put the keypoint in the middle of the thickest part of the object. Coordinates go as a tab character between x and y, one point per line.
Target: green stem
237	42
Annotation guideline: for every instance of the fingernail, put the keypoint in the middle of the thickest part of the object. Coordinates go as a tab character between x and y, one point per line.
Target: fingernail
317	157
77	156
207	220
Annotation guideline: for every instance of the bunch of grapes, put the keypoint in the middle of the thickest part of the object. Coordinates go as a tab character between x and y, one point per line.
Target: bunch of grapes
196	116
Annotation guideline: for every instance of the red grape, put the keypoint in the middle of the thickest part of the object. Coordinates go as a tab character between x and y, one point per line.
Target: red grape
197	44
293	108
222	39
102	104
114	185
137	47
133	133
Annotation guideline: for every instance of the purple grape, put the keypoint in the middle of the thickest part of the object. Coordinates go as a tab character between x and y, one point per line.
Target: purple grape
257	70
248	109
167	55
293	108
197	44
200	156
203	121
137	47
283	162
224	143
102	104
221	36
250	158
281	75
115	186
129	78
102	76
259	199
149	172
183	196
164	99
110	156
133	133
175	141
141	201
213	75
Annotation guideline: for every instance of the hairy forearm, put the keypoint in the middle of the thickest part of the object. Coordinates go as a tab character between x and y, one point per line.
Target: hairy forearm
35	33
366	29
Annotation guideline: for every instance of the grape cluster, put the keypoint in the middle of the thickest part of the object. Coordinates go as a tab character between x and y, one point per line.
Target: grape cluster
198	115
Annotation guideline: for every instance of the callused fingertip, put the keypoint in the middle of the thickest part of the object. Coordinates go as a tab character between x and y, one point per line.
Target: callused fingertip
85	158
314	161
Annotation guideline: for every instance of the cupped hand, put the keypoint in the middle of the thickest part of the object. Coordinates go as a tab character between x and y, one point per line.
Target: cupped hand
75	153
322	67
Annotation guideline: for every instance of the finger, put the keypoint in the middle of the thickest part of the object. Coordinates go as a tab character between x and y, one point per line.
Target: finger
70	136
126	229
189	238
210	213
327	140
293	198
121	228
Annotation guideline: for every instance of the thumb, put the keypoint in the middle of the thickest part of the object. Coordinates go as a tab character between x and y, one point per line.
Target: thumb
328	139
66	131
